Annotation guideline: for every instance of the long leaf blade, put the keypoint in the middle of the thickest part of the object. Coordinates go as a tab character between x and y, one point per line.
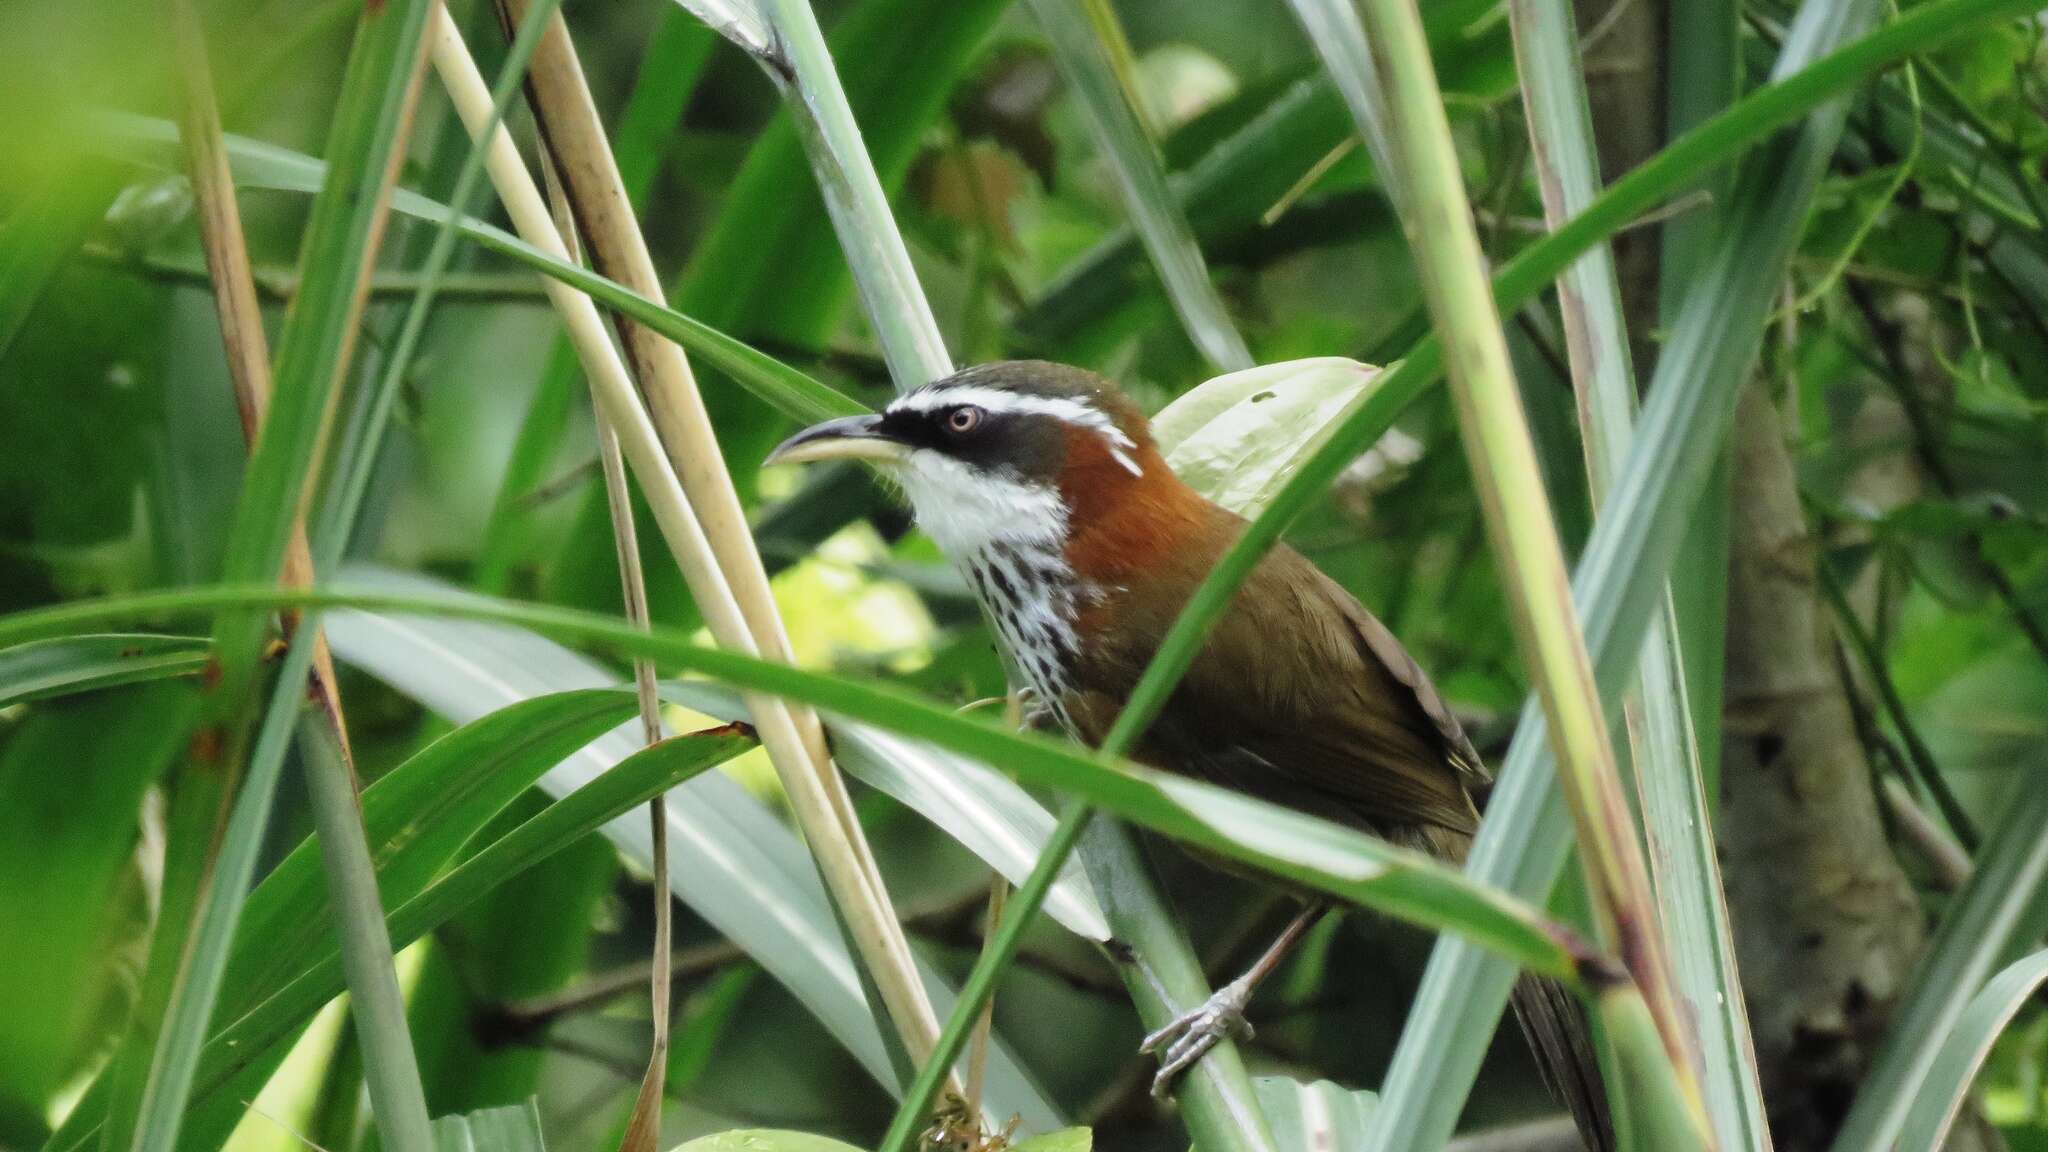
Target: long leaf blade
1084	59
1964	1050
1678	823
85	663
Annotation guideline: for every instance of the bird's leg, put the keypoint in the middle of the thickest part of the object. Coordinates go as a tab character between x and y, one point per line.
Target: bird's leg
1189	1036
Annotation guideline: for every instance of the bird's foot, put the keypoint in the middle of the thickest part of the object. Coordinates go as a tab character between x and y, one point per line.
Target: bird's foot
1188	1037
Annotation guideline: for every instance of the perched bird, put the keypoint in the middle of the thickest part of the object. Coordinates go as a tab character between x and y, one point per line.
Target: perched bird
1043	485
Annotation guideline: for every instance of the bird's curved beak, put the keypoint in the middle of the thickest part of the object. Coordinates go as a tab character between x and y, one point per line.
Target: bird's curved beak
848	438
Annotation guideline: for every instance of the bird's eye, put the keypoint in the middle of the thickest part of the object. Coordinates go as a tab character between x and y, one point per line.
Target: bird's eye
962	420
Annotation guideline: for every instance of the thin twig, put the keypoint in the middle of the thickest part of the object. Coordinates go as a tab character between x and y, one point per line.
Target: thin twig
645	1126
1925	443
977	1043
1947	859
1917	752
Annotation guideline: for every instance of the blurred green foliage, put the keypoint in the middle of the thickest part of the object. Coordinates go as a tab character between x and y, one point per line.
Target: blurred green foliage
1911	360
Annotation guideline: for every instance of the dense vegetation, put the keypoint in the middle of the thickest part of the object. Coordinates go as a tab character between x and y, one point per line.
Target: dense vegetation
311	485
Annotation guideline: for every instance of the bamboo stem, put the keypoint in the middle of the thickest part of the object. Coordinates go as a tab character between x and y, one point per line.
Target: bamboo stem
876	934
1517	512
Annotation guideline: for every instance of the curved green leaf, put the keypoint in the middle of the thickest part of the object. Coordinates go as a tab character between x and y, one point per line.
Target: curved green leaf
264	1031
260	165
417	818
83	663
1237	438
1298	848
1947	1085
730	859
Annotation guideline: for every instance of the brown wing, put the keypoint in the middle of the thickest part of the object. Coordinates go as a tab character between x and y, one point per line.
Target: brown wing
1303	698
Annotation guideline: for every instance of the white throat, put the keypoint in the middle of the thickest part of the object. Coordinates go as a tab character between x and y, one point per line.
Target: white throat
1008	540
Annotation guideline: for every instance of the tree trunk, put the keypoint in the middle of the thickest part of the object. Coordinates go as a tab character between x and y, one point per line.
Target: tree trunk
1827	929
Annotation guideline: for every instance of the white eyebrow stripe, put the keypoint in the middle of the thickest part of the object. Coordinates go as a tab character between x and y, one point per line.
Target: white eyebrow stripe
1000	402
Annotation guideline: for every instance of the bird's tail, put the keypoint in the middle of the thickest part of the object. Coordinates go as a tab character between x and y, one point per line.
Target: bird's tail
1562	1038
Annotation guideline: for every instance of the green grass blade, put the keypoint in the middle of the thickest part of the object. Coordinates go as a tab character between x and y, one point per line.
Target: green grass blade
1650	1110
888	286
1303	849
1678	823
1523	841
2000	913
208	869
1704	79
1085	62
914	1113
617	793
732	860
376	1005
1964	1050
86	663
1420	155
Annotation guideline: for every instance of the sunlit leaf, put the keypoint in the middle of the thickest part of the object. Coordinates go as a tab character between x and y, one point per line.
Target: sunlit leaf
1237	438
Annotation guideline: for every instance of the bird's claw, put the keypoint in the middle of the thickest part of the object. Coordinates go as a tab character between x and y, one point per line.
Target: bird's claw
1189	1036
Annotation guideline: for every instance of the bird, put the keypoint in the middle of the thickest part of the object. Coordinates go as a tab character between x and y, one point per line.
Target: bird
1042	484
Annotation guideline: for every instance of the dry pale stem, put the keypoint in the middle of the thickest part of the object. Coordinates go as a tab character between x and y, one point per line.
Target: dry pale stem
596	195
644	1129
241	313
876	934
